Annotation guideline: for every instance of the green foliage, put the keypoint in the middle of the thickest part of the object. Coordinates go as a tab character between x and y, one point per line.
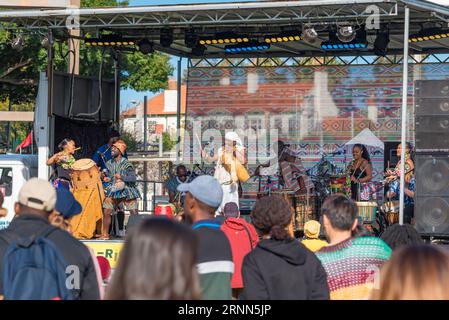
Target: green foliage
130	141
167	142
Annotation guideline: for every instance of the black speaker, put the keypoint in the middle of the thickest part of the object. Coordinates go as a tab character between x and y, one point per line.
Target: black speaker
134	220
432	193
432	115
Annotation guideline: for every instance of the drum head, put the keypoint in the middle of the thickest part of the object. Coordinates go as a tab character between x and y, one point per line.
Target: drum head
83	164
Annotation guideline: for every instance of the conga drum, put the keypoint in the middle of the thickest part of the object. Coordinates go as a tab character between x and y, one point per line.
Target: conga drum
165	209
288	195
391	210
305	208
367	211
87	189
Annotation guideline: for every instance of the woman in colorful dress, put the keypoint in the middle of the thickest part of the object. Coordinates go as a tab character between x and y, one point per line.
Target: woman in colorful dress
62	163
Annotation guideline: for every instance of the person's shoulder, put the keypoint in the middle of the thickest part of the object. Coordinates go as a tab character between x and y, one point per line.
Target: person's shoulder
373	242
64	239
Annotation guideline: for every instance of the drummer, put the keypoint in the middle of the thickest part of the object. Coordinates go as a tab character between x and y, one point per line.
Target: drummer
62	163
120	171
360	171
174	195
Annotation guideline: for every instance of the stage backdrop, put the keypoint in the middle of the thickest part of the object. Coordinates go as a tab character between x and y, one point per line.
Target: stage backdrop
316	109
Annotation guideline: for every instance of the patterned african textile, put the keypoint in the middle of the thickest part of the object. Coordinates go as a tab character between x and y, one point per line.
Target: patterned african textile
291	171
353	266
123	168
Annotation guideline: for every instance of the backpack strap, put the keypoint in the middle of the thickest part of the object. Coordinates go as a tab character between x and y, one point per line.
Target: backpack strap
26	241
249	236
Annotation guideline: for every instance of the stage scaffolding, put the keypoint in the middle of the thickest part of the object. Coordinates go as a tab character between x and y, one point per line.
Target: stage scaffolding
255	19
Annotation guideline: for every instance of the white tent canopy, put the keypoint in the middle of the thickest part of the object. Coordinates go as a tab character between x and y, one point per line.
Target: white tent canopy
368	138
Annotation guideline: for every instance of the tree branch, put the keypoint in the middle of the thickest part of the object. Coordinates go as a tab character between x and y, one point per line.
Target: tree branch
19	82
15	67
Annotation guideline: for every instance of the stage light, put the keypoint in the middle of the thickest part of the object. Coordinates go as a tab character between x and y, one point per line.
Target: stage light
283	37
18	43
309	35
381	43
145	46
224	38
107	40
198	50
346	33
166	37
190	39
46	43
245	47
428	34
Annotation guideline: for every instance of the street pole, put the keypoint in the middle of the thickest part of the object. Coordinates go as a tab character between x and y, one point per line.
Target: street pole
404	113
178	112
8	146
145	124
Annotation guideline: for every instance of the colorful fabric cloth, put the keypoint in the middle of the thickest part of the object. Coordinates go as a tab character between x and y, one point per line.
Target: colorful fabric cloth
291	171
125	169
395	186
353	265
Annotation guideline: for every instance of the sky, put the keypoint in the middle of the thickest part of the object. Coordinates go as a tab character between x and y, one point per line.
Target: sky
127	96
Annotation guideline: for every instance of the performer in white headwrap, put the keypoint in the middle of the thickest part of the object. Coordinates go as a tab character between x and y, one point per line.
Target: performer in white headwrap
229	169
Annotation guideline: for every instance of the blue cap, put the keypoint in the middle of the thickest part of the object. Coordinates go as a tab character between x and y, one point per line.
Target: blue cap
204	188
66	203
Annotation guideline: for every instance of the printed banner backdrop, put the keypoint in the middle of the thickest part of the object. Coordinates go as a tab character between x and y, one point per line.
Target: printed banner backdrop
316	109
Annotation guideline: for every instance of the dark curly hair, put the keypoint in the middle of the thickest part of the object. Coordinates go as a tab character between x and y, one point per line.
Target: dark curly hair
399	235
272	215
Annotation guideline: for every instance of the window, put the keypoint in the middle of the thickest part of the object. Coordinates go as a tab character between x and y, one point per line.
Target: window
6	180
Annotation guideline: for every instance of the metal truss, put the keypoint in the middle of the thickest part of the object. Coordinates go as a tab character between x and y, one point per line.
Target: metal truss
246	14
315	61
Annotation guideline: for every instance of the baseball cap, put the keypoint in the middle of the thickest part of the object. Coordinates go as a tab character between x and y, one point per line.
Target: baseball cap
38	194
231	210
206	189
312	229
66	203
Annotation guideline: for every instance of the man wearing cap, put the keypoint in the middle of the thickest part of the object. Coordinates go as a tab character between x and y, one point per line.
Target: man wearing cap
312	232
37	199
215	267
123	192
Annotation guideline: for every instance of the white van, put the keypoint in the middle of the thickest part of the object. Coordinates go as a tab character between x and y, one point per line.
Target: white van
15	170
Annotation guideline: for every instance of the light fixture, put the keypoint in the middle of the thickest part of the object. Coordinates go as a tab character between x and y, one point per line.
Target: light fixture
109	40
145	46
346	33
309	35
223	38
191	39
18	43
247	47
166	37
334	43
381	43
429	34
283	37
198	50
46	43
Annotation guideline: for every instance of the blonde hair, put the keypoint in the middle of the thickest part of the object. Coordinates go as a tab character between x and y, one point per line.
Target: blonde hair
417	272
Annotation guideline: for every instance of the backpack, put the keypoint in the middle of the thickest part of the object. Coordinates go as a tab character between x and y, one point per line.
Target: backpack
33	268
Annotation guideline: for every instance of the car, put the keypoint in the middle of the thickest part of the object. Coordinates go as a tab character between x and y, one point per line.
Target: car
15	170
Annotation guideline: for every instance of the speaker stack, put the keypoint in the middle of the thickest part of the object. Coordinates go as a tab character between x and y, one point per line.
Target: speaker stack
432	157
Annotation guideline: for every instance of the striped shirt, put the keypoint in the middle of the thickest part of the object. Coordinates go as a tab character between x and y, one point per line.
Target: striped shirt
126	170
353	266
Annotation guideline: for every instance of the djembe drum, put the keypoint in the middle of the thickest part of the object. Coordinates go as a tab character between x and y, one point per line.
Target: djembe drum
367	211
87	189
305	208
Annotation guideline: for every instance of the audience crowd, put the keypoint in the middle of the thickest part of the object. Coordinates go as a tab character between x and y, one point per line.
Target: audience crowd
210	256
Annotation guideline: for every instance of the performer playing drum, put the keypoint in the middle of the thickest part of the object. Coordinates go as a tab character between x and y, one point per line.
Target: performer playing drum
292	174
229	169
123	190
360	172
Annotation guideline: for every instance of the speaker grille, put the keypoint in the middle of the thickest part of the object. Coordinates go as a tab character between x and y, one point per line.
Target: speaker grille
432	106
432	193
432	89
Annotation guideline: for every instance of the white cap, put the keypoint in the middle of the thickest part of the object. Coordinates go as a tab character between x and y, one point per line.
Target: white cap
233	136
38	194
